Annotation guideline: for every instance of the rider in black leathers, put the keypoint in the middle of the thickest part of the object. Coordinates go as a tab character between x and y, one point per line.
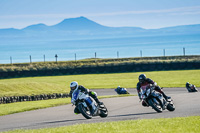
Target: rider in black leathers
74	85
191	87
144	81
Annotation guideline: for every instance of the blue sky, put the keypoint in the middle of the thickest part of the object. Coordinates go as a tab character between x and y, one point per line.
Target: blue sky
149	14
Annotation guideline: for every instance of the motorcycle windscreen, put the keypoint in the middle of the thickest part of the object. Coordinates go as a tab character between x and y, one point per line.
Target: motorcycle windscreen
144	88
75	94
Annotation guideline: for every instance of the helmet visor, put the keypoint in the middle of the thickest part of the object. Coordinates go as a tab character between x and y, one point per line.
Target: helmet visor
73	88
141	80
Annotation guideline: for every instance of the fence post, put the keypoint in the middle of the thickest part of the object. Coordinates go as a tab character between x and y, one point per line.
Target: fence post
56	56
183	51
117	54
75	57
30	59
95	54
44	58
10	59
163	52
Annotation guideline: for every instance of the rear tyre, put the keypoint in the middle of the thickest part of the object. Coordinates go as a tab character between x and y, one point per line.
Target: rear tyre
170	107
84	111
155	105
103	112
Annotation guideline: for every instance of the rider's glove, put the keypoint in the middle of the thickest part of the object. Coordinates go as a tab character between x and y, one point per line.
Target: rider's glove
155	84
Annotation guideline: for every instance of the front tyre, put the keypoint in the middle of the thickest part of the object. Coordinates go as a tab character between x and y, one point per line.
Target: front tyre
155	105
84	111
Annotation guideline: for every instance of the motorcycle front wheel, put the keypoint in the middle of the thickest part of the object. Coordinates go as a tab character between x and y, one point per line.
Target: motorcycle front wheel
85	111
155	105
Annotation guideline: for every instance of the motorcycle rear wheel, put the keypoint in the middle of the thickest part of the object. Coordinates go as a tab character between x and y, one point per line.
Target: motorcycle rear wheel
103	112
170	107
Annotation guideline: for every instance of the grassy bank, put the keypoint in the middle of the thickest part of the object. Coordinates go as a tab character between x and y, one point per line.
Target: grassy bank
163	125
60	84
96	66
93	61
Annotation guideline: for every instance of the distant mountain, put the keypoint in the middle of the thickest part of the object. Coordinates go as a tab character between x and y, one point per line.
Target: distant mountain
184	29
80	23
10	32
36	27
81	27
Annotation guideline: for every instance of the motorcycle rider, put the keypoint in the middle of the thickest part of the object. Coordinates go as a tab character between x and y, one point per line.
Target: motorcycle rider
74	85
144	81
118	89
121	90
190	87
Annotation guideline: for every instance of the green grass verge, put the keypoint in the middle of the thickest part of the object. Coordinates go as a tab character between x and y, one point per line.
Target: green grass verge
11	108
60	84
164	125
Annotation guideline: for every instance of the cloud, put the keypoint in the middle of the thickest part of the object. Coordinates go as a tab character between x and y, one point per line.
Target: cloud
177	11
173	11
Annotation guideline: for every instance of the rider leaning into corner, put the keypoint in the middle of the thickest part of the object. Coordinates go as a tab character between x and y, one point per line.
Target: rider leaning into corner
74	85
190	87
144	81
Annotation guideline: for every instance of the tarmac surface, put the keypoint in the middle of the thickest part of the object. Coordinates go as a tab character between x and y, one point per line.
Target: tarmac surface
120	108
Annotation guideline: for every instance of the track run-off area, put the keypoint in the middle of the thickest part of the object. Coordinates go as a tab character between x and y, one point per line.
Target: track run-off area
119	108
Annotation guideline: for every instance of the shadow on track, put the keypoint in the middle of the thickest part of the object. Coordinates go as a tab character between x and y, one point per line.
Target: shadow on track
63	121
133	114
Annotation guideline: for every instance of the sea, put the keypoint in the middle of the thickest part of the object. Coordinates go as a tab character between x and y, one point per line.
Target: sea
118	47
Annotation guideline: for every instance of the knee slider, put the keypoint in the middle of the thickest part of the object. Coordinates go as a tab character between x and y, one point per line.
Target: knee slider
94	93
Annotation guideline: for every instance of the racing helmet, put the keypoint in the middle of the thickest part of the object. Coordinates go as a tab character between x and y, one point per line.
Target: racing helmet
73	85
187	83
142	78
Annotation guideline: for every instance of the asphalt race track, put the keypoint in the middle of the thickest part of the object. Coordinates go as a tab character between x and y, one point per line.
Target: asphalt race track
120	108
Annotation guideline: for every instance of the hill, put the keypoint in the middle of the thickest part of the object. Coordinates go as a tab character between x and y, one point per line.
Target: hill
81	27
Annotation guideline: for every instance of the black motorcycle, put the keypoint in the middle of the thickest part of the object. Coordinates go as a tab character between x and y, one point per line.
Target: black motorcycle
155	99
192	89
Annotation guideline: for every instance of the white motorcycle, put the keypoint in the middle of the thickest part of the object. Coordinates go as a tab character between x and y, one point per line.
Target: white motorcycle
87	105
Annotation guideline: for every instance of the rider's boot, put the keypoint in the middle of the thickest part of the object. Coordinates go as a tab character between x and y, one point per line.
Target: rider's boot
97	101
94	96
165	96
